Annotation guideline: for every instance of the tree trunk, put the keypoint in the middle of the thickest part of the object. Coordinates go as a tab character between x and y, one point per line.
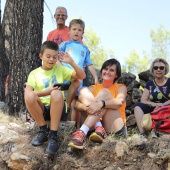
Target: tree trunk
3	63
22	28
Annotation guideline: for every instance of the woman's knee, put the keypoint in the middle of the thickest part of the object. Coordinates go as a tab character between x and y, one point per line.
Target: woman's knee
84	91
112	119
137	110
104	93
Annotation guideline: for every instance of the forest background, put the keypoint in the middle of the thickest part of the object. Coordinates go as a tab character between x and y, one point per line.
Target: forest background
25	25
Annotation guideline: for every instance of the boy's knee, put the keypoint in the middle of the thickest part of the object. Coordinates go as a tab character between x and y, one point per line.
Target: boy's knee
56	95
30	97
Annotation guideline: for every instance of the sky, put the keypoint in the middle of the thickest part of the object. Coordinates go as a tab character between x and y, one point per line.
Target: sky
121	25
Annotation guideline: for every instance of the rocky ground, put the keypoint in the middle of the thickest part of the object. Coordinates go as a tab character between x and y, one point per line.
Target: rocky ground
134	153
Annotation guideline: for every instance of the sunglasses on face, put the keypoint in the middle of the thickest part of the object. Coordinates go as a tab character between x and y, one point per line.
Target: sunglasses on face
156	67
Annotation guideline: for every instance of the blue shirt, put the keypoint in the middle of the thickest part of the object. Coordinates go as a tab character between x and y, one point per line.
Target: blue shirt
78	51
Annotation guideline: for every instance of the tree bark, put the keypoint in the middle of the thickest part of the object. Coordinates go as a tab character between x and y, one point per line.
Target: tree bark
22	28
3	63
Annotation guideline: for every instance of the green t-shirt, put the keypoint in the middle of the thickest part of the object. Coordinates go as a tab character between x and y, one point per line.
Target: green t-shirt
41	79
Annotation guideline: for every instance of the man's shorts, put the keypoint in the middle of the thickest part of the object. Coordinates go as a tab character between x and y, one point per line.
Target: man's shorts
47	113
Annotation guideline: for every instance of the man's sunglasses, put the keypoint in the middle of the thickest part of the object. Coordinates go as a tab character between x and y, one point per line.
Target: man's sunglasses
156	67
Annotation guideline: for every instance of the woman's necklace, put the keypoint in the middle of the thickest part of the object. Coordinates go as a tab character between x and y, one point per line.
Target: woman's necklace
161	82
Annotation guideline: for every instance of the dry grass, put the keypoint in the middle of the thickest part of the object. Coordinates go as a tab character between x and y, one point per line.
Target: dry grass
4	117
94	156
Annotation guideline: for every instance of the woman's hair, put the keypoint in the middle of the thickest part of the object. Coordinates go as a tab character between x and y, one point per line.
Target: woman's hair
162	61
111	62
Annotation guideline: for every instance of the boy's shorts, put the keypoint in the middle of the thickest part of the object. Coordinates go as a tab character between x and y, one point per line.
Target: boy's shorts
47	113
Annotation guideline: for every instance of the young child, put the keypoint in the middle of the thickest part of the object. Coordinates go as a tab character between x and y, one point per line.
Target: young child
80	54
43	100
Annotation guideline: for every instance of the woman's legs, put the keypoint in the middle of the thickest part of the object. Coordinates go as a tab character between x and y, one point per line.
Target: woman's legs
138	116
111	118
112	121
139	110
86	97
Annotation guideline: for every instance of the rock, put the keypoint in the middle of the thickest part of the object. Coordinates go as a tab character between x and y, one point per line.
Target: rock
142	83
146	76
126	78
151	155
136	95
132	85
131	120
137	140
18	161
162	156
120	148
128	100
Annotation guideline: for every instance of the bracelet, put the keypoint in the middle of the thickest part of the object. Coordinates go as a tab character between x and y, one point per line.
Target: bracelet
104	104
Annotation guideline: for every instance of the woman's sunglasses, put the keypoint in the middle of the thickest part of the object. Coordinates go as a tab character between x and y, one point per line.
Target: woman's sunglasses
156	67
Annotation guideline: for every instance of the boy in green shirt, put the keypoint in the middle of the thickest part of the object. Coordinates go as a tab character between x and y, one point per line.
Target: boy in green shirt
43	100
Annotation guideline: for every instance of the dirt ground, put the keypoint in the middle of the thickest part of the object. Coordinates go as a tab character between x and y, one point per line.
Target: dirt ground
136	153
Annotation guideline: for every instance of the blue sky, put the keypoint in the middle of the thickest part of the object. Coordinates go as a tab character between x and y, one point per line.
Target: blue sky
121	25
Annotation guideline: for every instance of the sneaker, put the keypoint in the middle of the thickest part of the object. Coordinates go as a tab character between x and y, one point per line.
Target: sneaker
122	133
41	137
78	141
98	135
52	146
143	135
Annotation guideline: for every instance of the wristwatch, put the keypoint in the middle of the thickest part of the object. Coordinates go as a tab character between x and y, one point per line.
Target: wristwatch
104	104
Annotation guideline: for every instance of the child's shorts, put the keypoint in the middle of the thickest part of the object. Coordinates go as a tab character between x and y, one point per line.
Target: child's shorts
47	113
